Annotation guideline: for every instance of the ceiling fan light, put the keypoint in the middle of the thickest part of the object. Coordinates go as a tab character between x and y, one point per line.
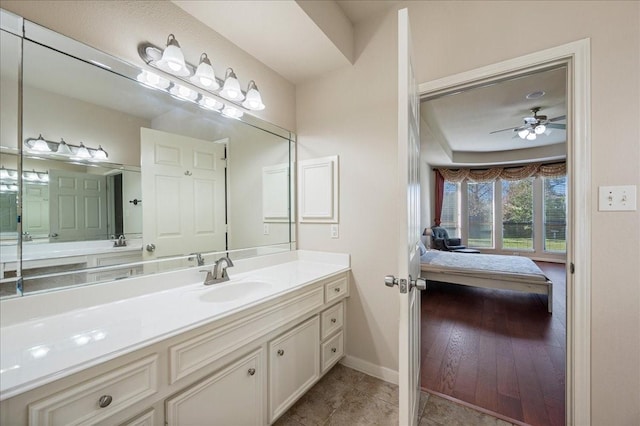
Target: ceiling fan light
231	88
205	76
172	60
531	136
253	100
523	133
540	129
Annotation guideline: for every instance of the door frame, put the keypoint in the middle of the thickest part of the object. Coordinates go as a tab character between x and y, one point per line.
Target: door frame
576	57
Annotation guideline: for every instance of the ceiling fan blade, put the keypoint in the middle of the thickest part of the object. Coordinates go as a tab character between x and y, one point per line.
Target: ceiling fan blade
558	118
503	130
556	126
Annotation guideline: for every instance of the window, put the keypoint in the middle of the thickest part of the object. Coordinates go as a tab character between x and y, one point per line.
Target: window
480	214
555	214
517	214
450	217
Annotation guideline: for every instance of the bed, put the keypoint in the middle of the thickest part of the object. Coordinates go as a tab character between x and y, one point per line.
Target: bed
486	270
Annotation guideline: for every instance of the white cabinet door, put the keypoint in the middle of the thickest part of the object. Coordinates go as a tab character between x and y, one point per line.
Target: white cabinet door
294	365
232	396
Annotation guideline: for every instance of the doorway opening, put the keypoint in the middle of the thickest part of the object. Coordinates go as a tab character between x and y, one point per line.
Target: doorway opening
575	395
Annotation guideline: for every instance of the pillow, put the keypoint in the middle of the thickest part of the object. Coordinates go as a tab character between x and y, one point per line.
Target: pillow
423	249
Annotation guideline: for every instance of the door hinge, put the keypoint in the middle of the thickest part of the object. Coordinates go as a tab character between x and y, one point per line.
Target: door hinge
572	268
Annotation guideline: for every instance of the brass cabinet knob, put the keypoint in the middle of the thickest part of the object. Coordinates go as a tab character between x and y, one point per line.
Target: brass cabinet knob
104	401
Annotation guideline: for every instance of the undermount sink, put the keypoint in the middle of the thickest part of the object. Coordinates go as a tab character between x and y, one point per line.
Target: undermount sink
231	291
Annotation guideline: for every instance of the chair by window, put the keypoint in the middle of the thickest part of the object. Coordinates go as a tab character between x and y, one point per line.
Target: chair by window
441	240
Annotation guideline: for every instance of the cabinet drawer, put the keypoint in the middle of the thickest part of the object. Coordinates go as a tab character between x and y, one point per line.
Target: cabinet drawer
331	320
294	365
332	351
146	419
115	390
337	289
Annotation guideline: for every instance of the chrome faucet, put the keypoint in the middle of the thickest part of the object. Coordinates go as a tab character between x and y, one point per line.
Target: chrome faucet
120	242
219	273
199	258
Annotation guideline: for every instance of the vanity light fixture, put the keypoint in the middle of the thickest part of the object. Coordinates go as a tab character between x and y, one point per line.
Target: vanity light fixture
231	89
8	188
63	149
253	100
205	76
8	176
232	112
172	60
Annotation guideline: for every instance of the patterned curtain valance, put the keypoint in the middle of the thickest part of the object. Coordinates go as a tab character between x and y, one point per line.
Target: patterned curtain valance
507	173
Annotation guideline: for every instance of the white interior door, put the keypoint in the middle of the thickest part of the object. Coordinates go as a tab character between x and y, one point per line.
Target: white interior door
409	231
78	206
183	194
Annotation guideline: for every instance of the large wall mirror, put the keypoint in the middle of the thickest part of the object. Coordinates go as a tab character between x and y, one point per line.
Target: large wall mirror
173	180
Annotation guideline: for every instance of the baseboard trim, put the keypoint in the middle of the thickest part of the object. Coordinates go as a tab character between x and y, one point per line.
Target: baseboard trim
366	367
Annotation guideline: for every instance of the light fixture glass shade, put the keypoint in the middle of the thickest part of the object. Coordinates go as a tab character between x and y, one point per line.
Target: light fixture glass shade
210	103
183	92
232	112
43	176
63	148
231	88
540	129
523	133
82	152
4	174
531	136
30	176
153	80
205	76
253	100
172	60
39	145
100	154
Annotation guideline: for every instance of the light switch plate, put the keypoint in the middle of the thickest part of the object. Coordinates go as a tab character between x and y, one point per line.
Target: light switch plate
617	198
334	230
266	229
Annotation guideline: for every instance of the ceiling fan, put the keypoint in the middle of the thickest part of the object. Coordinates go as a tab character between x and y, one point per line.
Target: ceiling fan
535	125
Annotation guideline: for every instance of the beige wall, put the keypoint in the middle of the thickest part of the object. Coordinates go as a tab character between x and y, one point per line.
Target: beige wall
117	27
352	112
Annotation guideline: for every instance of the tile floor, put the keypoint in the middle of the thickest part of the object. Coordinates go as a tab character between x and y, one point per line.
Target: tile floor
347	397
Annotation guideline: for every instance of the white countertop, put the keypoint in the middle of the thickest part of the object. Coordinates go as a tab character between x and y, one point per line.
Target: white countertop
35	250
38	350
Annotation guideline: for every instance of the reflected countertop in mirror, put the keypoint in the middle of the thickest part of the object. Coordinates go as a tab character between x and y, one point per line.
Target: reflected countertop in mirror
177	178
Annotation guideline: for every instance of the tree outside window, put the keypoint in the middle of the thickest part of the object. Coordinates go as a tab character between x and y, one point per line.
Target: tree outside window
517	214
480	214
555	214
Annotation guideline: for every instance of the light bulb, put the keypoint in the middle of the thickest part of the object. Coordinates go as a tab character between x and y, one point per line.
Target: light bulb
253	100
63	148
523	133
172	60
183	92
540	129
153	80
531	136
231	88
205	76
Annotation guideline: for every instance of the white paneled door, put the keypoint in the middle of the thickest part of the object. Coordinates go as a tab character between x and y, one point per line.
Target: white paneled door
183	192
409	228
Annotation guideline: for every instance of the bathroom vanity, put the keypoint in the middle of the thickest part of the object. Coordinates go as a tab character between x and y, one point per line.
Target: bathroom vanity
240	352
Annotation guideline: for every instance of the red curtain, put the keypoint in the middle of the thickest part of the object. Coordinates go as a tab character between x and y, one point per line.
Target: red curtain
439	197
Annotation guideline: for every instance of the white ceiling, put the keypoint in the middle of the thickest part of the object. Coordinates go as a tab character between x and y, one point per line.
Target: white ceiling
456	129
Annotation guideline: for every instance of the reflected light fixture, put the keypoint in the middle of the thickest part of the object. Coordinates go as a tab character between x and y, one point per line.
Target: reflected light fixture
183	92
153	80
205	76
231	89
232	112
210	103
172	60
63	149
253	100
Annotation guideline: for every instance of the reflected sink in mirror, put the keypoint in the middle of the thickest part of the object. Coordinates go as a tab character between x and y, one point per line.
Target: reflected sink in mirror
230	291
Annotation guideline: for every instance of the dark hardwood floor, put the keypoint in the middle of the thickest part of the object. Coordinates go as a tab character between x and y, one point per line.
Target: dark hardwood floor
497	349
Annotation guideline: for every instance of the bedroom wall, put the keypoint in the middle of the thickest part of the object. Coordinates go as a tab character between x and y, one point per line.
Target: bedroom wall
117	27
352	112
